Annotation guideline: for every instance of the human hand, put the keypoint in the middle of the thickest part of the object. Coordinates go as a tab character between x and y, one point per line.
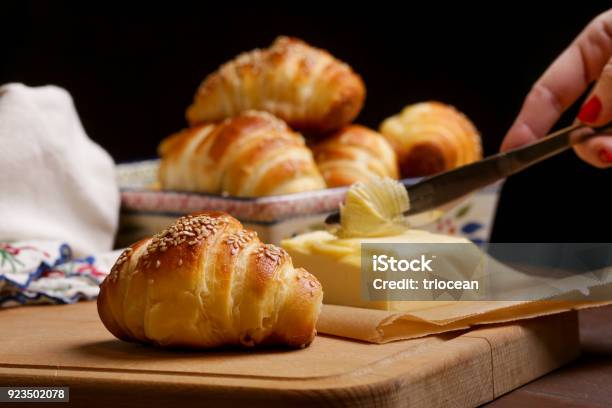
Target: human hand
587	59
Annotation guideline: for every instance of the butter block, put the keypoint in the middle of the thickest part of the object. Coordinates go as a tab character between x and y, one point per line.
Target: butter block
336	262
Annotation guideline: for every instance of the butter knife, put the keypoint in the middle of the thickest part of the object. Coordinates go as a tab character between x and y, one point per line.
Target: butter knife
440	189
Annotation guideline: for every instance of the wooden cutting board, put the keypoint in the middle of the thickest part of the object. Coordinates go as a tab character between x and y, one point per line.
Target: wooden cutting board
68	346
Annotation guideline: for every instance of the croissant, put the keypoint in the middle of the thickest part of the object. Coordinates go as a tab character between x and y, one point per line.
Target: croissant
253	154
431	137
206	282
355	153
305	86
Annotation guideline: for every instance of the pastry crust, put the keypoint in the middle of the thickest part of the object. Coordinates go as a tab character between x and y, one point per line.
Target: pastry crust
431	137
355	153
253	154
305	86
207	282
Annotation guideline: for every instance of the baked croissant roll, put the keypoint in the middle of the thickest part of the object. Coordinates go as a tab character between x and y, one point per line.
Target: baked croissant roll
206	282
253	154
355	153
431	137
305	86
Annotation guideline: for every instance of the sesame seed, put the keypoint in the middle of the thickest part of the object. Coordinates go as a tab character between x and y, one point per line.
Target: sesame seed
114	275
271	252
195	228
239	240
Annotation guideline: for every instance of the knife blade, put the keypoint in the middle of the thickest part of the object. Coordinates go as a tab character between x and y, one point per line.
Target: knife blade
440	189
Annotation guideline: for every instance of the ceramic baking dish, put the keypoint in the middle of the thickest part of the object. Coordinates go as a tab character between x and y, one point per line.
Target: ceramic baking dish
146	210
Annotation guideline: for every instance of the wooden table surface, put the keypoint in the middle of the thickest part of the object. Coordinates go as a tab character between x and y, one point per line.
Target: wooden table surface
68	346
587	382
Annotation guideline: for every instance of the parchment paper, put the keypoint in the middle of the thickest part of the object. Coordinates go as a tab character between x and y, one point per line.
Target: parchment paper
424	318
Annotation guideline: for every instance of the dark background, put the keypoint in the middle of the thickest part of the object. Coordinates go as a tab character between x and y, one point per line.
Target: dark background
133	75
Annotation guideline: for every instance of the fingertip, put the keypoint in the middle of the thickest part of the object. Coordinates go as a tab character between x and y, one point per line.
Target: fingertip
590	111
596	151
597	110
605	156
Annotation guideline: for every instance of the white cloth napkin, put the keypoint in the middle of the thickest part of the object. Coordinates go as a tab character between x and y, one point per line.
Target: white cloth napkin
55	182
59	200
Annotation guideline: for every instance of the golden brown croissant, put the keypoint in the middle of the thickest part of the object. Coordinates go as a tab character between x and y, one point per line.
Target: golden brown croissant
207	282
305	86
253	154
431	137
355	153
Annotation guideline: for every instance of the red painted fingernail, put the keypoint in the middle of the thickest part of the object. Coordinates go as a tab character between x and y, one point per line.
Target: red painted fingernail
605	156
590	110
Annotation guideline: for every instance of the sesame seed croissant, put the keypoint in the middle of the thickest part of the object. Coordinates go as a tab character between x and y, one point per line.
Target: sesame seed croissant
253	154
431	137
305	86
355	153
206	282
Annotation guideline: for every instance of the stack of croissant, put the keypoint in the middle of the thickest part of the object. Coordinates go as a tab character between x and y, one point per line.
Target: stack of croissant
245	121
206	281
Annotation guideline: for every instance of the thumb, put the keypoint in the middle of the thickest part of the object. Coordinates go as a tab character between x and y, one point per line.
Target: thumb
597	110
